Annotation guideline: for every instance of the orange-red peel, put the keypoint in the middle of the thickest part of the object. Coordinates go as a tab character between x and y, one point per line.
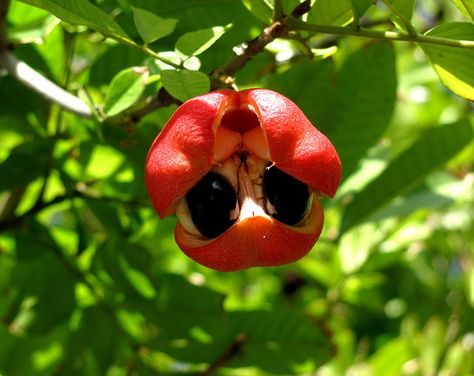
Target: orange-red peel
240	134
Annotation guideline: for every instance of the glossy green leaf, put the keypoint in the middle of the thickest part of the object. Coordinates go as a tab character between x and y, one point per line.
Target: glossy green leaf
465	6
184	85
329	12
125	89
453	65
152	27
433	149
82	12
196	42
25	163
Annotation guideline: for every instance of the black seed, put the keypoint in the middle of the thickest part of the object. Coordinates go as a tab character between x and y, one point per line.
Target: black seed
288	195
210	202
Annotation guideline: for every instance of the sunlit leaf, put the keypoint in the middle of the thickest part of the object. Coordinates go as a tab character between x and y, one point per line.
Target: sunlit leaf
185	85
390	359
82	12
152	27
433	149
360	7
453	65
196	42
262	9
402	7
465	6
32	157
35	31
125	89
329	12
137	279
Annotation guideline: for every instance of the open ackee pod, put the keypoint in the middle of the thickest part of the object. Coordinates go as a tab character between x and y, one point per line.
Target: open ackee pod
244	172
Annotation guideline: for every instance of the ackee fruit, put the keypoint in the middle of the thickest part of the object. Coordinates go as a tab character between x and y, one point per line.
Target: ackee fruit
244	171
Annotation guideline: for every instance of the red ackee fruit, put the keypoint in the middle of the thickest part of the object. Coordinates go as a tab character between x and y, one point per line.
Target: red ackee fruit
244	172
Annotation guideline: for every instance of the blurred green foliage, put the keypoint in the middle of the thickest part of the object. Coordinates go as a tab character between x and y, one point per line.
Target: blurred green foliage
91	281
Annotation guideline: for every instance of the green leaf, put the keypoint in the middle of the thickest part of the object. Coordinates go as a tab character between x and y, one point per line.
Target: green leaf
330	12
389	360
196	42
33	32
199	299
25	163
359	7
433	149
82	12
152	27
43	282
116	58
137	279
280	341
454	66
358	105
470	287
185	85
310	85
439	191
262	9
364	102
125	89
204	14
465	6
403	7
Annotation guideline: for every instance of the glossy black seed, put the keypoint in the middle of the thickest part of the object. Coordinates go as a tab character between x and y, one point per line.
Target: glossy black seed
288	195
210	202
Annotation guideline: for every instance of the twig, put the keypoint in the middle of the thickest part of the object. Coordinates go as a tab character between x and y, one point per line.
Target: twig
40	84
223	77
12	222
4	4
295	24
31	78
278	10
152	103
79	192
234	348
301	9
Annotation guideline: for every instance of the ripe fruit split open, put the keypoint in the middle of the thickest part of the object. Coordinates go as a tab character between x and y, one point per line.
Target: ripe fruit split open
244	172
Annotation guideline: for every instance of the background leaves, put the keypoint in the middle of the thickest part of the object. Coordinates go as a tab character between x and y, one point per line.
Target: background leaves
92	282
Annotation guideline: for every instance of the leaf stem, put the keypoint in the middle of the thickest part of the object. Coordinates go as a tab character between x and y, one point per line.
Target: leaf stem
295	24
146	50
278	10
